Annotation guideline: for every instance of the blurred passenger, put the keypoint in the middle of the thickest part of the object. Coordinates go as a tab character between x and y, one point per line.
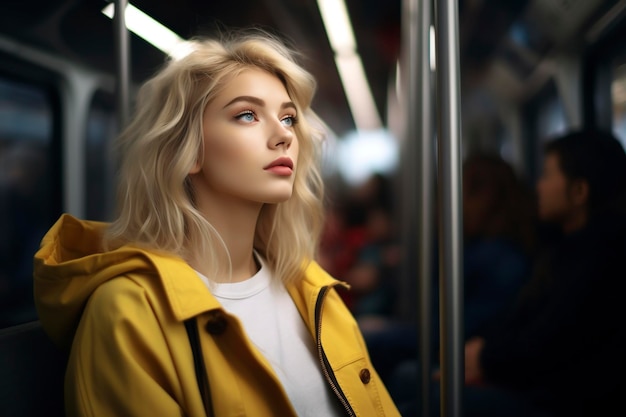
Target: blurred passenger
359	243
560	349
373	276
499	223
332	252
370	234
498	220
562	346
340	244
350	234
374	281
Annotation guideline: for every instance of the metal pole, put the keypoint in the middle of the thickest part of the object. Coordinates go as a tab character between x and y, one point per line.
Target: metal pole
450	207
411	74
122	95
408	94
122	50
426	197
416	31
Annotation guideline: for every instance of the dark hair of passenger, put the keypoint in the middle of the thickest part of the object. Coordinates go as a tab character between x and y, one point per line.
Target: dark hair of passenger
508	206
597	157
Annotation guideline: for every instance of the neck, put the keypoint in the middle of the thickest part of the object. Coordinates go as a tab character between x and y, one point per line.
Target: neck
235	221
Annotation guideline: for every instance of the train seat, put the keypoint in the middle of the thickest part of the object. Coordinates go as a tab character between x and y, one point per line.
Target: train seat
31	373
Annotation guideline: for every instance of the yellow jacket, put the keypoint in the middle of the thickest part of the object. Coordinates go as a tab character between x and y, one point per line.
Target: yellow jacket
122	314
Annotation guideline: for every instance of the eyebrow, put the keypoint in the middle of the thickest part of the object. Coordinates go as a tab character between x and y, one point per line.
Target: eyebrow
259	102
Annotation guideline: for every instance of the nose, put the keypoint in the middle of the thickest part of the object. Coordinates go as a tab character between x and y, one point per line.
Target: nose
281	135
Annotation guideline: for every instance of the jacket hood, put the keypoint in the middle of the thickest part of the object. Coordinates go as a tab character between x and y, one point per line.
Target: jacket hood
71	264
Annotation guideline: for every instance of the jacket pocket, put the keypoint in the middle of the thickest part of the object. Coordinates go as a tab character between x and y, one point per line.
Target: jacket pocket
360	383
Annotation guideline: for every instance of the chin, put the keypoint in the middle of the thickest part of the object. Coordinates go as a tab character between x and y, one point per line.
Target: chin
278	198
277	193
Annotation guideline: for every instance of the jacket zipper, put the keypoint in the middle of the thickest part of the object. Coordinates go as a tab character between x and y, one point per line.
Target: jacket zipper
326	369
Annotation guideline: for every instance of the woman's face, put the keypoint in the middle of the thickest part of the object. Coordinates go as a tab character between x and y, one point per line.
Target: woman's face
250	144
553	191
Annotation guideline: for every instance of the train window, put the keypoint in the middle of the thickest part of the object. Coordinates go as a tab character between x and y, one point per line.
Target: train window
29	190
551	118
618	98
101	128
544	119
605	80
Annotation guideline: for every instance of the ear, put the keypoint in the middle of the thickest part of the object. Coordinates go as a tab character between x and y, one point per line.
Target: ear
196	168
579	192
197	165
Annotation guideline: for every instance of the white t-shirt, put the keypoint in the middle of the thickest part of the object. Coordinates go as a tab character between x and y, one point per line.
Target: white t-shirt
274	325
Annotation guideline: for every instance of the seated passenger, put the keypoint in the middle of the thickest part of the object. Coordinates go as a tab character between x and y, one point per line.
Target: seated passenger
562	345
499	224
498	242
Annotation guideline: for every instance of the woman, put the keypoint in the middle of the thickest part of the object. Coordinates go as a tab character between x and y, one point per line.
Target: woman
202	296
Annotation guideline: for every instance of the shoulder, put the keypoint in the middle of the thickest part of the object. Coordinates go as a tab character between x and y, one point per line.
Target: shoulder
118	290
123	316
167	288
120	298
127	295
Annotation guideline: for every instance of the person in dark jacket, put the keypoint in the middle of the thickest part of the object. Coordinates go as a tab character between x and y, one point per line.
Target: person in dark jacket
562	347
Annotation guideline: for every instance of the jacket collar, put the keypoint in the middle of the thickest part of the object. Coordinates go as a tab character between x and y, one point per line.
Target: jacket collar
185	292
188	296
305	291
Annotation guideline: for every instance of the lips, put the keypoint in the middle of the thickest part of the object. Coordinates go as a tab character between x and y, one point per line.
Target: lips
283	161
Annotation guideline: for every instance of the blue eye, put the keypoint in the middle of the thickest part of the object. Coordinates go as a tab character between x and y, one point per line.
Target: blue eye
246	116
289	121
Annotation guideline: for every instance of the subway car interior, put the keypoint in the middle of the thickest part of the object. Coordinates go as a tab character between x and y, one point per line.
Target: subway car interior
529	73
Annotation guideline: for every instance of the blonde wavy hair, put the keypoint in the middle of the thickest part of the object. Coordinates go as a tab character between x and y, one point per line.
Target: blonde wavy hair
161	144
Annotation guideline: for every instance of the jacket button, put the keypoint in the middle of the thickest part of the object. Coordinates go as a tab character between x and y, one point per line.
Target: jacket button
217	323
365	376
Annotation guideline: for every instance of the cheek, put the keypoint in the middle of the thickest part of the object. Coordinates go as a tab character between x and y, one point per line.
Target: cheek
548	187
557	189
552	195
217	149
294	151
227	150
227	162
216	159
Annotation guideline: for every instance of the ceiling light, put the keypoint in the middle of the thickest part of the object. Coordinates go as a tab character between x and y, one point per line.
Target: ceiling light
358	92
151	31
338	27
349	65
